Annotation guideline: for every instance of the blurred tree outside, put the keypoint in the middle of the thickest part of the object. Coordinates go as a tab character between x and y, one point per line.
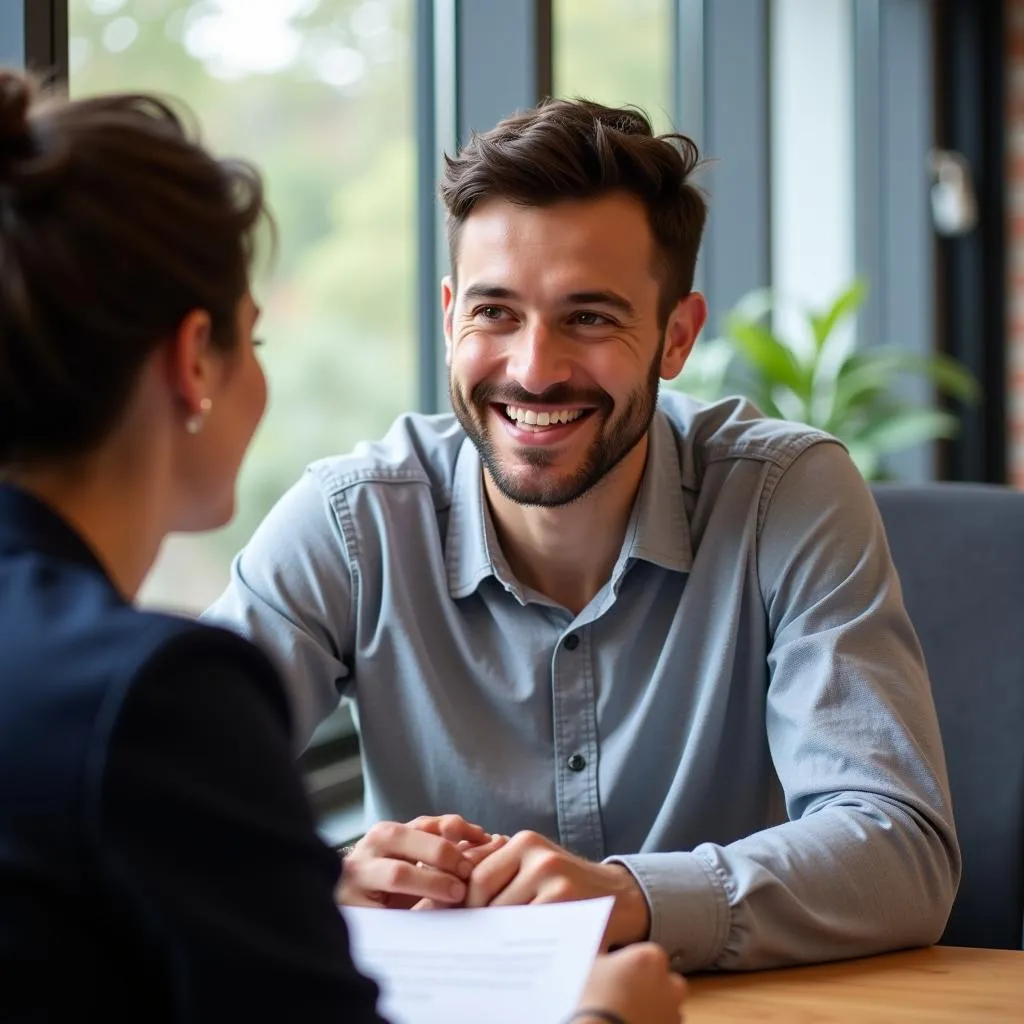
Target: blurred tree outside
319	94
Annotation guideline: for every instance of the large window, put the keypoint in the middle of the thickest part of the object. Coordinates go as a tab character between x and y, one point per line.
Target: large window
812	154
616	52
319	94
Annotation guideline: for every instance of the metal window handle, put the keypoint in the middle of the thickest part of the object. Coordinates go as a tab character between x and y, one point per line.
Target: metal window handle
954	204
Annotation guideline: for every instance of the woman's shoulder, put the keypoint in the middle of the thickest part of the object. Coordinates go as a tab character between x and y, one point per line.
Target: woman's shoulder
109	692
164	637
173	651
185	686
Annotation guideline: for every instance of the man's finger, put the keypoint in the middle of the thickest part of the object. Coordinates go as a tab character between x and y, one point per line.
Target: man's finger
477	854
678	987
492	876
452	827
398	876
429	905
530	887
350	896
402	842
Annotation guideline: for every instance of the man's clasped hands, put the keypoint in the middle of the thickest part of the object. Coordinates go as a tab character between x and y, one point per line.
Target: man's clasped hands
446	861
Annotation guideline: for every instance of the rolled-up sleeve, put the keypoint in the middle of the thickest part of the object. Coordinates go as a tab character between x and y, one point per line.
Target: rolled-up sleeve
291	593
868	860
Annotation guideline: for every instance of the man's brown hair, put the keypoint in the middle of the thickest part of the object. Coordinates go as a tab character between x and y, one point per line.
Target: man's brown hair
577	149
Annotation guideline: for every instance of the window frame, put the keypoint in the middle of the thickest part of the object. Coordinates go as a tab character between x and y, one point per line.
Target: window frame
34	35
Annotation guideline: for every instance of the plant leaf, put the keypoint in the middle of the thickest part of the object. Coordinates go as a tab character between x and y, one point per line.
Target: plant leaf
949	376
822	325
856	400
773	362
860	380
906	428
764	400
864	376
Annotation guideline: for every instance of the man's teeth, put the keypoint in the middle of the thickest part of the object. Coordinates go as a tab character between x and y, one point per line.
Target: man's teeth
541	419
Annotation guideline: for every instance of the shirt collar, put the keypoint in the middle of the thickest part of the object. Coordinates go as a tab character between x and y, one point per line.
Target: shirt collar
658	531
472	552
660	528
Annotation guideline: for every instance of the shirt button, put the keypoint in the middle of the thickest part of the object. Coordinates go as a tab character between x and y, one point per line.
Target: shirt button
577	762
572	641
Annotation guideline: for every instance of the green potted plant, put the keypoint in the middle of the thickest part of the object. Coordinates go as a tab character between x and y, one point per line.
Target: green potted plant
816	380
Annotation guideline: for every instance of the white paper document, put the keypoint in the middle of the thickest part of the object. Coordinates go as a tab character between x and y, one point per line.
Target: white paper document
502	965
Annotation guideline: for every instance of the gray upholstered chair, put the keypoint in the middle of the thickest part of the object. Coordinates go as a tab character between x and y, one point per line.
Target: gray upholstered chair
959	550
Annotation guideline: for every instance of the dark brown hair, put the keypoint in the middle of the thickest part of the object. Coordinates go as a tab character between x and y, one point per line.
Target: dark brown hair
577	149
114	225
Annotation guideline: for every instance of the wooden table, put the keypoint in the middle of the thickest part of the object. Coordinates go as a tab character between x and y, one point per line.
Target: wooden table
938	985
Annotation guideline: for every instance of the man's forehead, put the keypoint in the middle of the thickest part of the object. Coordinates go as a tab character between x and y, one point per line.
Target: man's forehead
577	246
501	219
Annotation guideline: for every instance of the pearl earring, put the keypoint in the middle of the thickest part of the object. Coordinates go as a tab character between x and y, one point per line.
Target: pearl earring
195	422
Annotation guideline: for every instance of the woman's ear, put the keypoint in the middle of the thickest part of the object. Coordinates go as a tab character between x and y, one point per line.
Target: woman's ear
191	362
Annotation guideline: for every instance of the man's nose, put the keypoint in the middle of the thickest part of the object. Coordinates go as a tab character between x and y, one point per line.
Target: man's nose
538	359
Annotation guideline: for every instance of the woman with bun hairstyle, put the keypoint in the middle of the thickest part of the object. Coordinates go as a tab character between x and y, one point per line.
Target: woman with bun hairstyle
157	852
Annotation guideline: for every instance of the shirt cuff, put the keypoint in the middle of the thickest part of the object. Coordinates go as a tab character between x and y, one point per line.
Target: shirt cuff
688	903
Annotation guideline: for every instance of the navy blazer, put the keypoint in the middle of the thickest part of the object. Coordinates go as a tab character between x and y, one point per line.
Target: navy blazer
157	852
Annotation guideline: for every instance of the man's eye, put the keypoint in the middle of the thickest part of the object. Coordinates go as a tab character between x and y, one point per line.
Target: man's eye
490	312
585	319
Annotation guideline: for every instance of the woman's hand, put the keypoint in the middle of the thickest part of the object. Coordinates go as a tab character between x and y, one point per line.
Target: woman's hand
635	984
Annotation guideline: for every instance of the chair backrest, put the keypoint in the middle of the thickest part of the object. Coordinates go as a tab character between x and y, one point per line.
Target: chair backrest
959	552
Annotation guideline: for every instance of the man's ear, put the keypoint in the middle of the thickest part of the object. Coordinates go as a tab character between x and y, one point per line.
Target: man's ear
190	362
448	312
684	325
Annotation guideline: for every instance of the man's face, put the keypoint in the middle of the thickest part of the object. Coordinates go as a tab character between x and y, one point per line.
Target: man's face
553	342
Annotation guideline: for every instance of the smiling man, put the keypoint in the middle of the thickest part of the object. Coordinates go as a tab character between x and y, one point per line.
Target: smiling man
661	644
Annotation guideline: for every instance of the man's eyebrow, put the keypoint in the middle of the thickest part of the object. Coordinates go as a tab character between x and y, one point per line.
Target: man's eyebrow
489	291
604	297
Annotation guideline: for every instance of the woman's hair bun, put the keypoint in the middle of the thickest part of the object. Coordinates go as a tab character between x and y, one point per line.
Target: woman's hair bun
15	99
29	165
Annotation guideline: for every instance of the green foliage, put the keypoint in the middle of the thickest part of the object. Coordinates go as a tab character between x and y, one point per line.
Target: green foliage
853	395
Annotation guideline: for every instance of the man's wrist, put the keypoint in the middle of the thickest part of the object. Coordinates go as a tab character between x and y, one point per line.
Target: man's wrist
631	916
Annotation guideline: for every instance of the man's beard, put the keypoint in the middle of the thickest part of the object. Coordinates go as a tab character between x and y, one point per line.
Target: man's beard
615	439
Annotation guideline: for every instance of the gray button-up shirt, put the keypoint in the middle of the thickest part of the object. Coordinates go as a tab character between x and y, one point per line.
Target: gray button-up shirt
741	715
